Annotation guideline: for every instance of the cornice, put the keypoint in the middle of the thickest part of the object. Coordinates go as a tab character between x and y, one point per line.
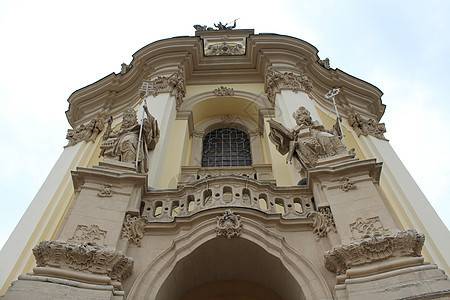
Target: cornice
185	55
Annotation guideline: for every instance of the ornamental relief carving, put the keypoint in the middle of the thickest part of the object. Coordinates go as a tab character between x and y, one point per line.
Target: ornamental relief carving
323	222
83	257
88	132
223	91
225	48
366	127
276	81
133	229
343	257
89	234
228	224
346	184
367	228
325	63
174	84
106	191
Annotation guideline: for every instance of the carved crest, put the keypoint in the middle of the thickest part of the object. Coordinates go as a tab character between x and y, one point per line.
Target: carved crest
323	222
225	48
229	224
133	229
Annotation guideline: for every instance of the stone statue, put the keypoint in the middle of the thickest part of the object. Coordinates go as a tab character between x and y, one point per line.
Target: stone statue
308	141
123	144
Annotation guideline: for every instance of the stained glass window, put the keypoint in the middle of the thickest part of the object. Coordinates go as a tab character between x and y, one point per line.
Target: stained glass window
226	147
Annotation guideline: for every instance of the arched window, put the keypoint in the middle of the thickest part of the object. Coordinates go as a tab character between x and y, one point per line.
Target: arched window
226	147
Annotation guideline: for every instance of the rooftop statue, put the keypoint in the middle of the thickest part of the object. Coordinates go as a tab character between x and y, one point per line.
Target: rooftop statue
308	141
123	144
219	26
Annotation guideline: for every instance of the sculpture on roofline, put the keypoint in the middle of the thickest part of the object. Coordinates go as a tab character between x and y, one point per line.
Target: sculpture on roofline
308	142
123	144
219	26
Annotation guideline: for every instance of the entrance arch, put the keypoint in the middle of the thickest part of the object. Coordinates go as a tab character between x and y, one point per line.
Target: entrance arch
170	275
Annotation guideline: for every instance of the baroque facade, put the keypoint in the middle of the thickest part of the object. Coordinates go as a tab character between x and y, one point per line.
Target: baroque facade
227	165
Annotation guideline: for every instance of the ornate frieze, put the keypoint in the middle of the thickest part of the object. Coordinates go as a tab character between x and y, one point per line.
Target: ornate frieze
367	228
323	222
228	224
223	91
403	243
366	127
174	84
224	48
83	257
106	191
84	132
325	63
346	184
308	142
276	81
124	145
133	229
89	234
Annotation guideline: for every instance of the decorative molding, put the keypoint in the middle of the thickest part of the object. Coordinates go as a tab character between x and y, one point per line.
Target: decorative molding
106	191
367	228
403	243
225	48
84	258
366	127
276	81
133	229
346	184
229	224
223	91
175	84
323	222
89	234
84	132
325	63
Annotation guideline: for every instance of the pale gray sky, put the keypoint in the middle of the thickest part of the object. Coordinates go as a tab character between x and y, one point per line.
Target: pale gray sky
50	49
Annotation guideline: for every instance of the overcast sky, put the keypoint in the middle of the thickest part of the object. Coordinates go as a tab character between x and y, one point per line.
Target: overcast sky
49	49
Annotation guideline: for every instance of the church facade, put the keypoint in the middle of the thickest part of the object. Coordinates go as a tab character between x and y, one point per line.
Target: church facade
228	165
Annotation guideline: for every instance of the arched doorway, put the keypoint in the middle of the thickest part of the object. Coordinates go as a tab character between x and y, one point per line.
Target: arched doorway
230	269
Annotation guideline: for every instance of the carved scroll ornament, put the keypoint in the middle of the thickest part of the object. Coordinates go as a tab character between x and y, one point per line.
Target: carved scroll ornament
229	224
367	228
403	243
88	132
276	81
84	258
366	127
106	191
223	91
346	184
323	222
174	84
133	229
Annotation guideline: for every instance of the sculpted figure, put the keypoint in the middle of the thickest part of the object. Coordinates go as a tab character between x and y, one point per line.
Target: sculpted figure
123	144
308	141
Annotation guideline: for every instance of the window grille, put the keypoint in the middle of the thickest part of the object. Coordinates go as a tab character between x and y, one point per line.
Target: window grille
226	147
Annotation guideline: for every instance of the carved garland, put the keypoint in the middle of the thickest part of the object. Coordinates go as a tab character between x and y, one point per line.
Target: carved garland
173	84
84	132
366	127
403	243
133	229
276	81
223	91
323	222
84	257
228	224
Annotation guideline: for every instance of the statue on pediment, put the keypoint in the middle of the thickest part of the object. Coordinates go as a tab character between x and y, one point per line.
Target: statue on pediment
124	145
308	142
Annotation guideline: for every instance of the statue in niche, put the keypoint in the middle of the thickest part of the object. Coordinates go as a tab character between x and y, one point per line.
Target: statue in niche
123	144
308	141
